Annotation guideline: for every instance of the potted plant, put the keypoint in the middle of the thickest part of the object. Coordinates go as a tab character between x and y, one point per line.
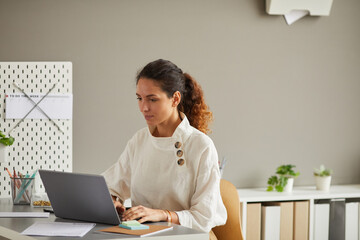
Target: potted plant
283	181
4	142
322	178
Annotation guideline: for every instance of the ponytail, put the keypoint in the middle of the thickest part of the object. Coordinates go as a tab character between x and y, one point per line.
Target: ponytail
194	107
171	79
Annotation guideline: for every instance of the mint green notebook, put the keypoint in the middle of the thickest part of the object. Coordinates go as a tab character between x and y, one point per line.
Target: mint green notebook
134	227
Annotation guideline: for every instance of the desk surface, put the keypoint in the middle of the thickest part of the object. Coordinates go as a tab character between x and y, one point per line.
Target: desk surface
20	224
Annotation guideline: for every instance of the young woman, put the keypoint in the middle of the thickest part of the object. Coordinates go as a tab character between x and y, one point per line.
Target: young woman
170	168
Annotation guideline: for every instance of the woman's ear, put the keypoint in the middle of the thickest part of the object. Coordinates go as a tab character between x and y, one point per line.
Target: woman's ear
176	98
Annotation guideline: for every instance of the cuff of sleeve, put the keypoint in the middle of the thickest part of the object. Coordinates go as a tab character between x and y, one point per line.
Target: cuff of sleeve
112	193
184	218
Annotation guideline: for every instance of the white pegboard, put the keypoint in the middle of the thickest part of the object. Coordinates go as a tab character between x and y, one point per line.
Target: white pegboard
38	142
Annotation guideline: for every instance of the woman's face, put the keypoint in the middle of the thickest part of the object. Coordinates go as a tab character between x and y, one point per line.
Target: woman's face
153	102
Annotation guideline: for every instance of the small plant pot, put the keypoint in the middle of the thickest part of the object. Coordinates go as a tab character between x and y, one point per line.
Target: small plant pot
3	153
323	183
289	186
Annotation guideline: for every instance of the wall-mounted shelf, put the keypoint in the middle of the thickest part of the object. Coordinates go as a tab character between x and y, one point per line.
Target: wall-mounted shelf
314	7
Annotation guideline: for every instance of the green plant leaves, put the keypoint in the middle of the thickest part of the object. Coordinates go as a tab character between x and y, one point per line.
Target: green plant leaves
322	171
279	188
277	182
6	141
284	172
273	180
287	170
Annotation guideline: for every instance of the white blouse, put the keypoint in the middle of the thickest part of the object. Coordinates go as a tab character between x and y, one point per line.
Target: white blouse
179	173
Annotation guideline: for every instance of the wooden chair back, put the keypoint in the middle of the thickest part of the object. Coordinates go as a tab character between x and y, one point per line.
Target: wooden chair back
232	229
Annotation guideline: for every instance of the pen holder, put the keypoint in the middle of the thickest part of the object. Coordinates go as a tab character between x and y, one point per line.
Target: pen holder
21	190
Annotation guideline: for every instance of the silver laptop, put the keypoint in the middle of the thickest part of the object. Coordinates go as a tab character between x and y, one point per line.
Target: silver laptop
82	197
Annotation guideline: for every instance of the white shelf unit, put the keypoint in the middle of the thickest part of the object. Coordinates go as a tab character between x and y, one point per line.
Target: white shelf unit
260	195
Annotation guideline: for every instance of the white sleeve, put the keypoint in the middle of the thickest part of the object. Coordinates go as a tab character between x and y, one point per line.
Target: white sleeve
207	209
118	176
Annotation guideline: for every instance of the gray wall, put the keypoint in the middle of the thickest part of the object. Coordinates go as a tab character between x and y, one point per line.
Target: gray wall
280	94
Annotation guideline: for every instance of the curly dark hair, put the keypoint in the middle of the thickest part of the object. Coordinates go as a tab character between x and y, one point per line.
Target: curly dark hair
171	79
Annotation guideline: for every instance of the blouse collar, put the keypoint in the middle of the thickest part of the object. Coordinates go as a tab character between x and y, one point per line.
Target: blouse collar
181	134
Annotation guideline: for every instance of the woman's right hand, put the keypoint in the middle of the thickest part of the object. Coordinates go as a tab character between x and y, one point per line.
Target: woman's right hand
120	208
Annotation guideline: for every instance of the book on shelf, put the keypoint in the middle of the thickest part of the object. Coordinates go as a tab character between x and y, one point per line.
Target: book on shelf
301	220
286	220
321	221
337	219
270	222
352	221
253	221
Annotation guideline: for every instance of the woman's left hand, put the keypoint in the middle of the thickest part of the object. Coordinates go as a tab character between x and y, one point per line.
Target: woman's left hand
144	214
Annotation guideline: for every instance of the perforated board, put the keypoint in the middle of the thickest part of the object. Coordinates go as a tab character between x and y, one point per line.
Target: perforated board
38	142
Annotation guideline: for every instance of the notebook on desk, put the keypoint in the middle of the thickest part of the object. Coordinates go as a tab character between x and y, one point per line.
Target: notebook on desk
82	197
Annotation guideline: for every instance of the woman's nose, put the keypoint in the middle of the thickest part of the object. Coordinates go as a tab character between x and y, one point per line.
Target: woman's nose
144	107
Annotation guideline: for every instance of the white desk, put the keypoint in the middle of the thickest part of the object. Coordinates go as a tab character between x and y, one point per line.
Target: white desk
20	224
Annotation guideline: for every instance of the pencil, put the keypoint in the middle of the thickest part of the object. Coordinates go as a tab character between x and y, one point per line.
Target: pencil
9	172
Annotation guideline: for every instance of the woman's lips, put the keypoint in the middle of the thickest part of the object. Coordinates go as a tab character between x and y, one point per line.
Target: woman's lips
148	117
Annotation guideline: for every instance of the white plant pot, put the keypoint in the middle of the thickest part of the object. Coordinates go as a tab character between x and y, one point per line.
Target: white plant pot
323	183
289	186
3	153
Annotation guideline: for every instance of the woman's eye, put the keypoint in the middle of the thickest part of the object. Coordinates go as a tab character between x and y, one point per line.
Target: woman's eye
138	98
153	100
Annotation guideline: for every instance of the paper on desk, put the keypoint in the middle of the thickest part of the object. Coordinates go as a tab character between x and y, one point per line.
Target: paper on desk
64	229
24	214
